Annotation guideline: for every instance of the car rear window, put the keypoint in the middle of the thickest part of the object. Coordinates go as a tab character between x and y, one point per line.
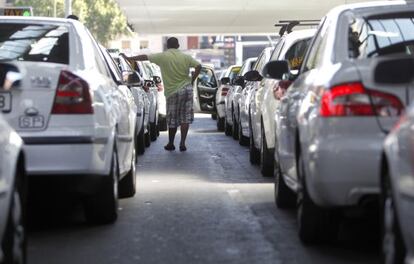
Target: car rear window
34	42
377	36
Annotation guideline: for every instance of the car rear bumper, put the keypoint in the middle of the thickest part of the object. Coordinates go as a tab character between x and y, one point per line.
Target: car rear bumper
69	184
67	155
342	170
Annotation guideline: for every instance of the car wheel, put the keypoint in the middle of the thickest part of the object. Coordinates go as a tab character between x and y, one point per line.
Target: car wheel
235	129
227	128
254	153
153	131
243	141
127	185
266	158
220	123
148	137
315	224
140	141
393	249
214	116
102	207
14	242
284	196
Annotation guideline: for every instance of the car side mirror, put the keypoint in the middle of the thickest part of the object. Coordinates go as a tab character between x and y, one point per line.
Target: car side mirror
239	80
10	77
394	70
276	69
225	80
253	76
149	83
157	79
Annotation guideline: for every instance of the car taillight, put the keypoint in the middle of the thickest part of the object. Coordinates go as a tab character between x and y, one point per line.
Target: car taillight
224	91
353	99
72	95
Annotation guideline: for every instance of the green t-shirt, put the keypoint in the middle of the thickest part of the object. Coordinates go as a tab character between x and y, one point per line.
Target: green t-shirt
175	69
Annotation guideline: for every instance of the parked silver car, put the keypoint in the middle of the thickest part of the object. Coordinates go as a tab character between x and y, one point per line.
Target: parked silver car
13	181
397	171
334	119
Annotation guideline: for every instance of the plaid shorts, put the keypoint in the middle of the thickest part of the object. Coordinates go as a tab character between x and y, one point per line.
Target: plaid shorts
180	107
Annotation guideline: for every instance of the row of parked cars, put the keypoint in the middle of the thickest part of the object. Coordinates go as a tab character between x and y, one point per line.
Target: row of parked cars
72	115
326	113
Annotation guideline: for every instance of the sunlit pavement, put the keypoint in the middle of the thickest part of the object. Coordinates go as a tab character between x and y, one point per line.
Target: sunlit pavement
206	205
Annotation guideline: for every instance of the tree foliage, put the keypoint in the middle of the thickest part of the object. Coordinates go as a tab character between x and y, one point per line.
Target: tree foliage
102	17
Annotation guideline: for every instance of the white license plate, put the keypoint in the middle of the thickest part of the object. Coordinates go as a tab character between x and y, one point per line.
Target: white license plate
31	121
5	102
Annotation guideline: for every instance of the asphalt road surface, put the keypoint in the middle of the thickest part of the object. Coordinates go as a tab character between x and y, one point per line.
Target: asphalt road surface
206	205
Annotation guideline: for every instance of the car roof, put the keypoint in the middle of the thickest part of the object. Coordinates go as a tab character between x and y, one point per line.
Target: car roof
370	8
37	19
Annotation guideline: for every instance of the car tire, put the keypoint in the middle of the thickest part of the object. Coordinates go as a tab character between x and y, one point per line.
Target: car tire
266	157
235	129
220	123
214	116
393	249
254	153
227	128
243	141
14	243
148	137
316	225
127	185
284	196
153	131
102	207
140	141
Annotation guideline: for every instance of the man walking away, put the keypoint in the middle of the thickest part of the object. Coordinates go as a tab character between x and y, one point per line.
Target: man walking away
175	67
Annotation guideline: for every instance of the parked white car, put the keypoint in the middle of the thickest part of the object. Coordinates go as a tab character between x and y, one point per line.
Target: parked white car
292	48
234	105
253	104
225	85
142	102
70	110
145	69
12	195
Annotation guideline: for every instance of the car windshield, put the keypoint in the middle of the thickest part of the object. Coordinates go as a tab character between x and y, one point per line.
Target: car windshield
233	72
381	35
31	42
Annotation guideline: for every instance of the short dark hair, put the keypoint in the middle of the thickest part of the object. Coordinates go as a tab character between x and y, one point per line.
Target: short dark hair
73	17
172	43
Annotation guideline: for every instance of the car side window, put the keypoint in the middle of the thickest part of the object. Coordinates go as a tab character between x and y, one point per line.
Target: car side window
296	53
314	55
207	78
278	49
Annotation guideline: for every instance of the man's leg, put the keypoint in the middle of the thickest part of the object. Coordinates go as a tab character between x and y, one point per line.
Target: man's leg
184	131
171	135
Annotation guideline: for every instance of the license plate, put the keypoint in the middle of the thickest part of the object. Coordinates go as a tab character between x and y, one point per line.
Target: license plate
31	121
5	102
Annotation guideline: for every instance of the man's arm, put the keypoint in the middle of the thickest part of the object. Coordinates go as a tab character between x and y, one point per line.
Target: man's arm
135	58
196	73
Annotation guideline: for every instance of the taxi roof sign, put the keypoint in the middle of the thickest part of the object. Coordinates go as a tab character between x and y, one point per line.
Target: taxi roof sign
16	11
